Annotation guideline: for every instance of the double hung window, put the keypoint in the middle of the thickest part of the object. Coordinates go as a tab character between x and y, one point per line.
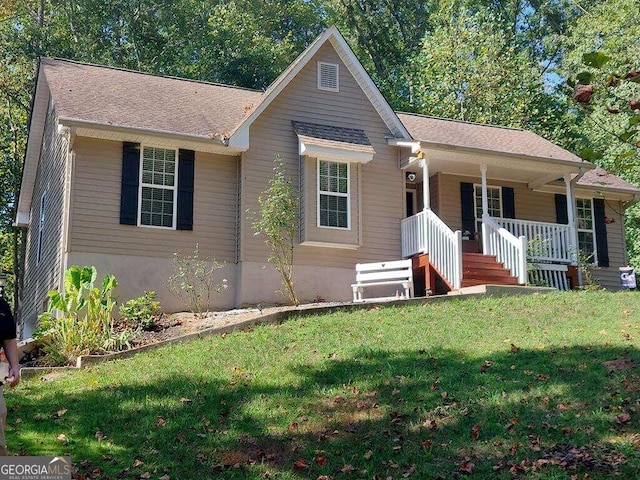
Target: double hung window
333	194
158	187
586	233
494	199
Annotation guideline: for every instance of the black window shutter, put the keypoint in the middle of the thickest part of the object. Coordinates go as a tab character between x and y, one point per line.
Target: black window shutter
185	189
562	216
130	180
468	212
508	203
601	232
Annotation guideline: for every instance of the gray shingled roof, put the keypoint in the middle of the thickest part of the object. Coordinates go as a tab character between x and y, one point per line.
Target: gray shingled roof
599	177
482	137
112	96
329	132
351	139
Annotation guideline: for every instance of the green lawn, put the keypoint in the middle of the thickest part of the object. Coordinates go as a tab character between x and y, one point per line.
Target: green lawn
477	388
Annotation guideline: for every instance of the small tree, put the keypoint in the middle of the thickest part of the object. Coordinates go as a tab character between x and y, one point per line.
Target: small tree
193	281
277	222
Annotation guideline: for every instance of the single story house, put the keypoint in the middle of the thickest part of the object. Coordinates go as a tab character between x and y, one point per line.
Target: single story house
124	168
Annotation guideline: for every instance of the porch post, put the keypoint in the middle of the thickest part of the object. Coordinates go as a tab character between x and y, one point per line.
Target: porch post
485	199
571	218
426	193
485	207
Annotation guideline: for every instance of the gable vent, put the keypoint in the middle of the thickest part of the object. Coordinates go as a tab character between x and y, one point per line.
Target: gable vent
328	76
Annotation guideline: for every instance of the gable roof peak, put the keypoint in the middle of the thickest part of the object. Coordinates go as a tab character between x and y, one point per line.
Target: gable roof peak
241	135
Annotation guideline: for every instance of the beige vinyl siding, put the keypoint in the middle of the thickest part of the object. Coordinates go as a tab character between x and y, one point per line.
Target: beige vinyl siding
42	276
381	181
95	218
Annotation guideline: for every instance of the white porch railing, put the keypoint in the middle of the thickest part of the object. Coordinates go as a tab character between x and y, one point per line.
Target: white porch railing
549	275
412	233
548	242
509	250
426	233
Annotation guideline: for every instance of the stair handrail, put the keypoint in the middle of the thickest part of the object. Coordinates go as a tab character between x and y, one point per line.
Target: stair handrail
508	249
444	247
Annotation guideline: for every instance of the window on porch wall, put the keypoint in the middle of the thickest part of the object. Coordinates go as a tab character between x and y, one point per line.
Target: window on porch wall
586	233
494	198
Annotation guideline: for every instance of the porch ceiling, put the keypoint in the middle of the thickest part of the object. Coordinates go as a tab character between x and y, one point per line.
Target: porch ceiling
532	171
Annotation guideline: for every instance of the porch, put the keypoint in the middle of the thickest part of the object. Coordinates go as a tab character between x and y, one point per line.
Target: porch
529	252
464	204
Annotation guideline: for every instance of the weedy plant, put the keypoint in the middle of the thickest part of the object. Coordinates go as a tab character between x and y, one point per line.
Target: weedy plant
141	312
79	320
193	281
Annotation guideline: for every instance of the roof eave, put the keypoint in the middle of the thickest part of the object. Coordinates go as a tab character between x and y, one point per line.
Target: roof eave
39	101
578	163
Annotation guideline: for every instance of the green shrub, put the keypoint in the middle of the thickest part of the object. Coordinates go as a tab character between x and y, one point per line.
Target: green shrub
79	320
141	312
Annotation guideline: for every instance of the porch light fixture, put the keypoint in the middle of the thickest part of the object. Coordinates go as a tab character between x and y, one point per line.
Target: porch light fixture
411	177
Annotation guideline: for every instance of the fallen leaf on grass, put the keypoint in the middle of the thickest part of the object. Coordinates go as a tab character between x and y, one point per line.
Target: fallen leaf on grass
324	477
347	469
368	454
160	422
137	463
186	400
467	465
320	460
99	435
623	418
164	477
475	432
300	464
619	364
61	412
62	438
485	366
145	475
514	349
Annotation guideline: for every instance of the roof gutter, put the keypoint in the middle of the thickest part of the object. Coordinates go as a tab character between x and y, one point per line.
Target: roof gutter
76	122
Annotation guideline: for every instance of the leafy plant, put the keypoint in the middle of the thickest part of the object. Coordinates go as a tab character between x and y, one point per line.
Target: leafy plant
79	320
277	222
141	312
193	281
588	269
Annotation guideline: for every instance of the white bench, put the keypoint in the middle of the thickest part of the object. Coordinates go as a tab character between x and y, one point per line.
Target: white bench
397	272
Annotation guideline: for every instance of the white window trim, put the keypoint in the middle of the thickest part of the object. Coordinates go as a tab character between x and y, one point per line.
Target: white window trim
328	89
43	202
337	194
594	260
150	185
475	200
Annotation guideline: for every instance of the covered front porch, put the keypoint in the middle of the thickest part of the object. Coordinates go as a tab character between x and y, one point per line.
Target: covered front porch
462	203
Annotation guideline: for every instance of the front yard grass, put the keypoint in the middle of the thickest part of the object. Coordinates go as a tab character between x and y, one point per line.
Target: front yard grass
492	388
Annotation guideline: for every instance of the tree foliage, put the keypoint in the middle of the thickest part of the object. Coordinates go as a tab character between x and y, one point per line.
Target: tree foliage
601	62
